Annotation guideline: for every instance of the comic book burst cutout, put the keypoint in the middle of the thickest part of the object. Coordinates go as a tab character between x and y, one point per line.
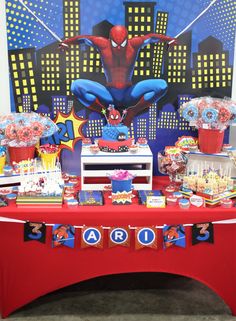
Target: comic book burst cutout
70	130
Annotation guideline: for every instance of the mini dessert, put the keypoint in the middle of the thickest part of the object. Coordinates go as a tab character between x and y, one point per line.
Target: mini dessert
171	200
8	170
170	189
94	149
178	195
142	141
226	203
184	203
11	199
133	149
86	142
69	188
226	147
68	197
115	135
72	203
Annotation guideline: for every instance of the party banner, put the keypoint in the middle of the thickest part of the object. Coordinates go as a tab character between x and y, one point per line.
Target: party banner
119	236
34	232
145	237
63	235
92	236
202	232
174	235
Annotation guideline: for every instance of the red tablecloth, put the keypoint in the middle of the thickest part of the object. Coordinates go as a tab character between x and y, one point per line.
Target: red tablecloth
31	269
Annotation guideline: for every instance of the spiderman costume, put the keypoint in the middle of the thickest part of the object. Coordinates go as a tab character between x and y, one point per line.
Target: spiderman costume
118	56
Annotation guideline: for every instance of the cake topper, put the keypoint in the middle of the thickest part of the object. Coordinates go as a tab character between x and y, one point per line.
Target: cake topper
114	117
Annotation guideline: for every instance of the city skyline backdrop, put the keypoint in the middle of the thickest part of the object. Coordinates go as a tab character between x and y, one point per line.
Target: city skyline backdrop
41	75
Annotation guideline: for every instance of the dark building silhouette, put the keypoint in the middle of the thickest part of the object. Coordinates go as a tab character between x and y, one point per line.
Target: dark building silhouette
50	72
158	51
139	20
211	69
91	66
22	63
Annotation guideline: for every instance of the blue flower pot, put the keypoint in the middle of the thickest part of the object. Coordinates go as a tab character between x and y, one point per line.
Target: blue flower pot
121	186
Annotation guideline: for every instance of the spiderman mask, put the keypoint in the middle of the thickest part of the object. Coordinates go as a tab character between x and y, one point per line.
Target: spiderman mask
118	38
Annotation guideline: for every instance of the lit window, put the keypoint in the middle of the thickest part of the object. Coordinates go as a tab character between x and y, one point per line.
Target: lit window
136	9
217	56
130	10
30	65
13	58
198	57
33	90
25	90
21	57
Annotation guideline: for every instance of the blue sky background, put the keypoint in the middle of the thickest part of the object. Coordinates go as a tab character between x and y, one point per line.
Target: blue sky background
24	31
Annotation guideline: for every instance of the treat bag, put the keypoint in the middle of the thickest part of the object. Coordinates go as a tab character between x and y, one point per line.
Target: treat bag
48	160
2	163
121	191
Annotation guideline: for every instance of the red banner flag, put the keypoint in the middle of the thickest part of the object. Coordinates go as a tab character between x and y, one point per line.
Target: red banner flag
92	236
145	237
119	236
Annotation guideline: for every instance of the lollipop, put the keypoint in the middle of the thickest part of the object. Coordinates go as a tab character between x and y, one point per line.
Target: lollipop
25	134
37	128
190	113
224	115
11	131
209	115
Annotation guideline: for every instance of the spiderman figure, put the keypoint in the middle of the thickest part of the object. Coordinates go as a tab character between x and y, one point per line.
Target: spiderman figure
118	56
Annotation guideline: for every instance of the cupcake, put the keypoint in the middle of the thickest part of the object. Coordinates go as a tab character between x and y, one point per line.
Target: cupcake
8	170
184	203
171	200
133	148
178	195
226	203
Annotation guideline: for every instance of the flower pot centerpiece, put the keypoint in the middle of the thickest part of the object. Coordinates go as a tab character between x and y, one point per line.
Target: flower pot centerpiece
211	116
121	185
49	154
20	132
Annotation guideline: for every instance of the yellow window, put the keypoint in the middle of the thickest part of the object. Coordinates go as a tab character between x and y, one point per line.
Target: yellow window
21	57
13	58
136	9
33	89
130	10
24	82
30	65
25	90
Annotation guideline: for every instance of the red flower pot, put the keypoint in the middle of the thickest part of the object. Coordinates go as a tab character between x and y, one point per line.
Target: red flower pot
210	140
18	154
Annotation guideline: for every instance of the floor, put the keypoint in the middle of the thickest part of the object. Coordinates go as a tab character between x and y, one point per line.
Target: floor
135	297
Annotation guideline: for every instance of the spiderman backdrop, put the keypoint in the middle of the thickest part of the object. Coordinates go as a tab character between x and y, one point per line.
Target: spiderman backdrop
118	53
118	56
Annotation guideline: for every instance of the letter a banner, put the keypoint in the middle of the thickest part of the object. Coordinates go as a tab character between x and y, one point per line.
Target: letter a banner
145	237
92	236
119	236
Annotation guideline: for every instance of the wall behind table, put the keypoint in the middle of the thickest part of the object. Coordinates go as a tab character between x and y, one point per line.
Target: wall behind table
161	124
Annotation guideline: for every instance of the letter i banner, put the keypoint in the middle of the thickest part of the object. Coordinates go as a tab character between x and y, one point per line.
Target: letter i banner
145	237
202	232
174	235
34	232
92	236
119	236
63	235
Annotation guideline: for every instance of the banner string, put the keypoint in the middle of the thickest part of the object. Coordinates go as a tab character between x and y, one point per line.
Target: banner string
12	220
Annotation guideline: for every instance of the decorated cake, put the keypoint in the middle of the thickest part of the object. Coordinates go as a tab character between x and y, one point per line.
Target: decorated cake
115	135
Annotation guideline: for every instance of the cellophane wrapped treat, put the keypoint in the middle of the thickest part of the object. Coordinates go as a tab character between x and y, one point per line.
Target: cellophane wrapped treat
25	129
209	113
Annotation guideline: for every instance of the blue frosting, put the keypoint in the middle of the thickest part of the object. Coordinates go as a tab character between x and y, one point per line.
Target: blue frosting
111	132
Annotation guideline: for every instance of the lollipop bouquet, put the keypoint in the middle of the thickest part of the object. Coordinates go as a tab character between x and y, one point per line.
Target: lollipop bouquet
211	116
173	161
24	130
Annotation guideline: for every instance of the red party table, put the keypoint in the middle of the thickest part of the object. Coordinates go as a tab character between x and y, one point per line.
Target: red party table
29	270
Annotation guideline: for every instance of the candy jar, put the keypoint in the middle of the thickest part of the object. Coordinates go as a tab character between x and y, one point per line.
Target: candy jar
172	161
